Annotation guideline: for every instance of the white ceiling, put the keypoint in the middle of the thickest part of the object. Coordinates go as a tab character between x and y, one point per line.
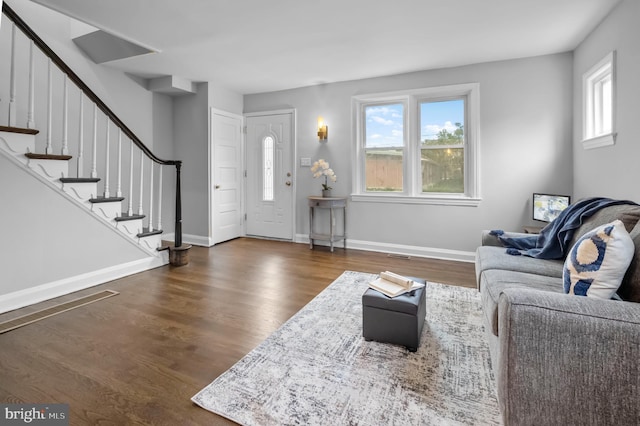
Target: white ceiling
253	46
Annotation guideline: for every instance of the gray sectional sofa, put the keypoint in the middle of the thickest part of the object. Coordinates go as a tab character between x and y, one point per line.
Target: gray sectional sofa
561	359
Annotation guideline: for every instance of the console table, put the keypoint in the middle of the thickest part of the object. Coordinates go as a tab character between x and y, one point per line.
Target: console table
330	203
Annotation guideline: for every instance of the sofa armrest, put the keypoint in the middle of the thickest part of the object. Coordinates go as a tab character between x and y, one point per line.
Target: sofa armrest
492	240
567	359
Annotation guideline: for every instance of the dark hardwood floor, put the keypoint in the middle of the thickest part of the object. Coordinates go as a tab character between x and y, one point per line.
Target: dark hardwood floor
138	357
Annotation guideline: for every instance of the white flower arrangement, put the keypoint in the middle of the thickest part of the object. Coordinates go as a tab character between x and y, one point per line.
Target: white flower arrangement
321	168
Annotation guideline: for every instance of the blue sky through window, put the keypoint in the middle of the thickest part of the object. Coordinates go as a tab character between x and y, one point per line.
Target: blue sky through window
385	128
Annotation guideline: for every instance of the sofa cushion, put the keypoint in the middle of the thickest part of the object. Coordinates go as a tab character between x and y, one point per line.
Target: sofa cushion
597	263
630	288
488	257
494	281
629	214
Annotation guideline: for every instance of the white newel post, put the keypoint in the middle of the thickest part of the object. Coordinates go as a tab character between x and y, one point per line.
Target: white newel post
81	139
107	193
31	121
12	78
119	184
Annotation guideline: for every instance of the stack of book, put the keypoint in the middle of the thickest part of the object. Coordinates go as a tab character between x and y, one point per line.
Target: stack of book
393	285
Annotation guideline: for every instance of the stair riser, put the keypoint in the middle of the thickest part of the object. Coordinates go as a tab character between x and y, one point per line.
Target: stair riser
50	169
107	211
151	242
82	191
130	227
17	144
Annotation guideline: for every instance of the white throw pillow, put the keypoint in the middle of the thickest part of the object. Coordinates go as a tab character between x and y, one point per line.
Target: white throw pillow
597	262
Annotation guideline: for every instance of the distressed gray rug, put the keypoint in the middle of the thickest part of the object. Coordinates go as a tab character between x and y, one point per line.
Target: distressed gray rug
317	369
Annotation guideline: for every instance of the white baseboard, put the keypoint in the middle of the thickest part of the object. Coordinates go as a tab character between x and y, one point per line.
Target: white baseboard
195	240
22	298
399	249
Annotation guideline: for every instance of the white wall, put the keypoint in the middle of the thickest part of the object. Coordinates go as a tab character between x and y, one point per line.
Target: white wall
50	239
525	146
611	171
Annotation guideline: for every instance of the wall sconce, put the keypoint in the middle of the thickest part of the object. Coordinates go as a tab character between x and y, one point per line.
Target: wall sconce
323	130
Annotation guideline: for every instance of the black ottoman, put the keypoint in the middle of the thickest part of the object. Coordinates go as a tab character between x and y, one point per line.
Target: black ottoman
397	320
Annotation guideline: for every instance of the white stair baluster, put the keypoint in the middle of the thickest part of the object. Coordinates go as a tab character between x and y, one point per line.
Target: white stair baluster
31	122
130	209
140	210
65	120
151	198
107	193
47	149
81	138
94	160
12	79
160	199
119	184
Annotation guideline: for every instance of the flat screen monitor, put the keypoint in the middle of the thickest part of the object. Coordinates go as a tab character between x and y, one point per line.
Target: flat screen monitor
547	207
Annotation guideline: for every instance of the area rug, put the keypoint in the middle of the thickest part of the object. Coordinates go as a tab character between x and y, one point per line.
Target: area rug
318	370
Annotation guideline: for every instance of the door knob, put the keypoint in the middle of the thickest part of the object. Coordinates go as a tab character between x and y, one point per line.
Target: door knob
217	186
288	183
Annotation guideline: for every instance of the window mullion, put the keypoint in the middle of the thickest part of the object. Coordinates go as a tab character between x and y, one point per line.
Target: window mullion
410	162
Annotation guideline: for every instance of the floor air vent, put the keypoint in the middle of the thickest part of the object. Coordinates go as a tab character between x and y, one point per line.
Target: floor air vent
399	256
54	310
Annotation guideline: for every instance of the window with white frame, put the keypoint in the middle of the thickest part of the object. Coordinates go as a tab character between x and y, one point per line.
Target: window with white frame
598	103
418	146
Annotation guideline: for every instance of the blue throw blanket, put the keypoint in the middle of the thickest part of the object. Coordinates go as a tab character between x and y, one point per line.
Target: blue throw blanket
554	238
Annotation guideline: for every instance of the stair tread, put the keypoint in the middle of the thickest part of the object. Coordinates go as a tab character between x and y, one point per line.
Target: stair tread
79	180
146	233
35	156
106	200
126	217
19	130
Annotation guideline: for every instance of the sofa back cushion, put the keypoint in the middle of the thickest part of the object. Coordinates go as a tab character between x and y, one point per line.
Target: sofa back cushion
630	288
629	214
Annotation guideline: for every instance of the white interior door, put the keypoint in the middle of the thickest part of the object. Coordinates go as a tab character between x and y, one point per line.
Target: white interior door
226	142
270	175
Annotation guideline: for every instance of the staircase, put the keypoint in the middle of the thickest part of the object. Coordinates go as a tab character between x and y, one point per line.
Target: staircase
19	145
81	148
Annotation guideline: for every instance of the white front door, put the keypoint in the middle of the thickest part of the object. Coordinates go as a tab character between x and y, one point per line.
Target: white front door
270	175
226	143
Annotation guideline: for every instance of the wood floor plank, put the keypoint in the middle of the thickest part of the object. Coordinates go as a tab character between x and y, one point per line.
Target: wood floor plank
139	357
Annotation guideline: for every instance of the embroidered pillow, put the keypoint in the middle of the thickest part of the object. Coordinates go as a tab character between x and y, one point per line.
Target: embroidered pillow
596	264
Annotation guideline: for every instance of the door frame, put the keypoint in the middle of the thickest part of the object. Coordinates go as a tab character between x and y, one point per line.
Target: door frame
294	170
211	171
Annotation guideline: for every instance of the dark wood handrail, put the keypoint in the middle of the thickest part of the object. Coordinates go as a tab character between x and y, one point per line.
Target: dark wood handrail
9	12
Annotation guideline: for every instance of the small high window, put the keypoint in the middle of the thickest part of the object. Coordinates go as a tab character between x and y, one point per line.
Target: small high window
599	103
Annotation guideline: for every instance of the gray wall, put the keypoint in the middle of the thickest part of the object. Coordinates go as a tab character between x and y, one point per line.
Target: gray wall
190	123
613	170
525	146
